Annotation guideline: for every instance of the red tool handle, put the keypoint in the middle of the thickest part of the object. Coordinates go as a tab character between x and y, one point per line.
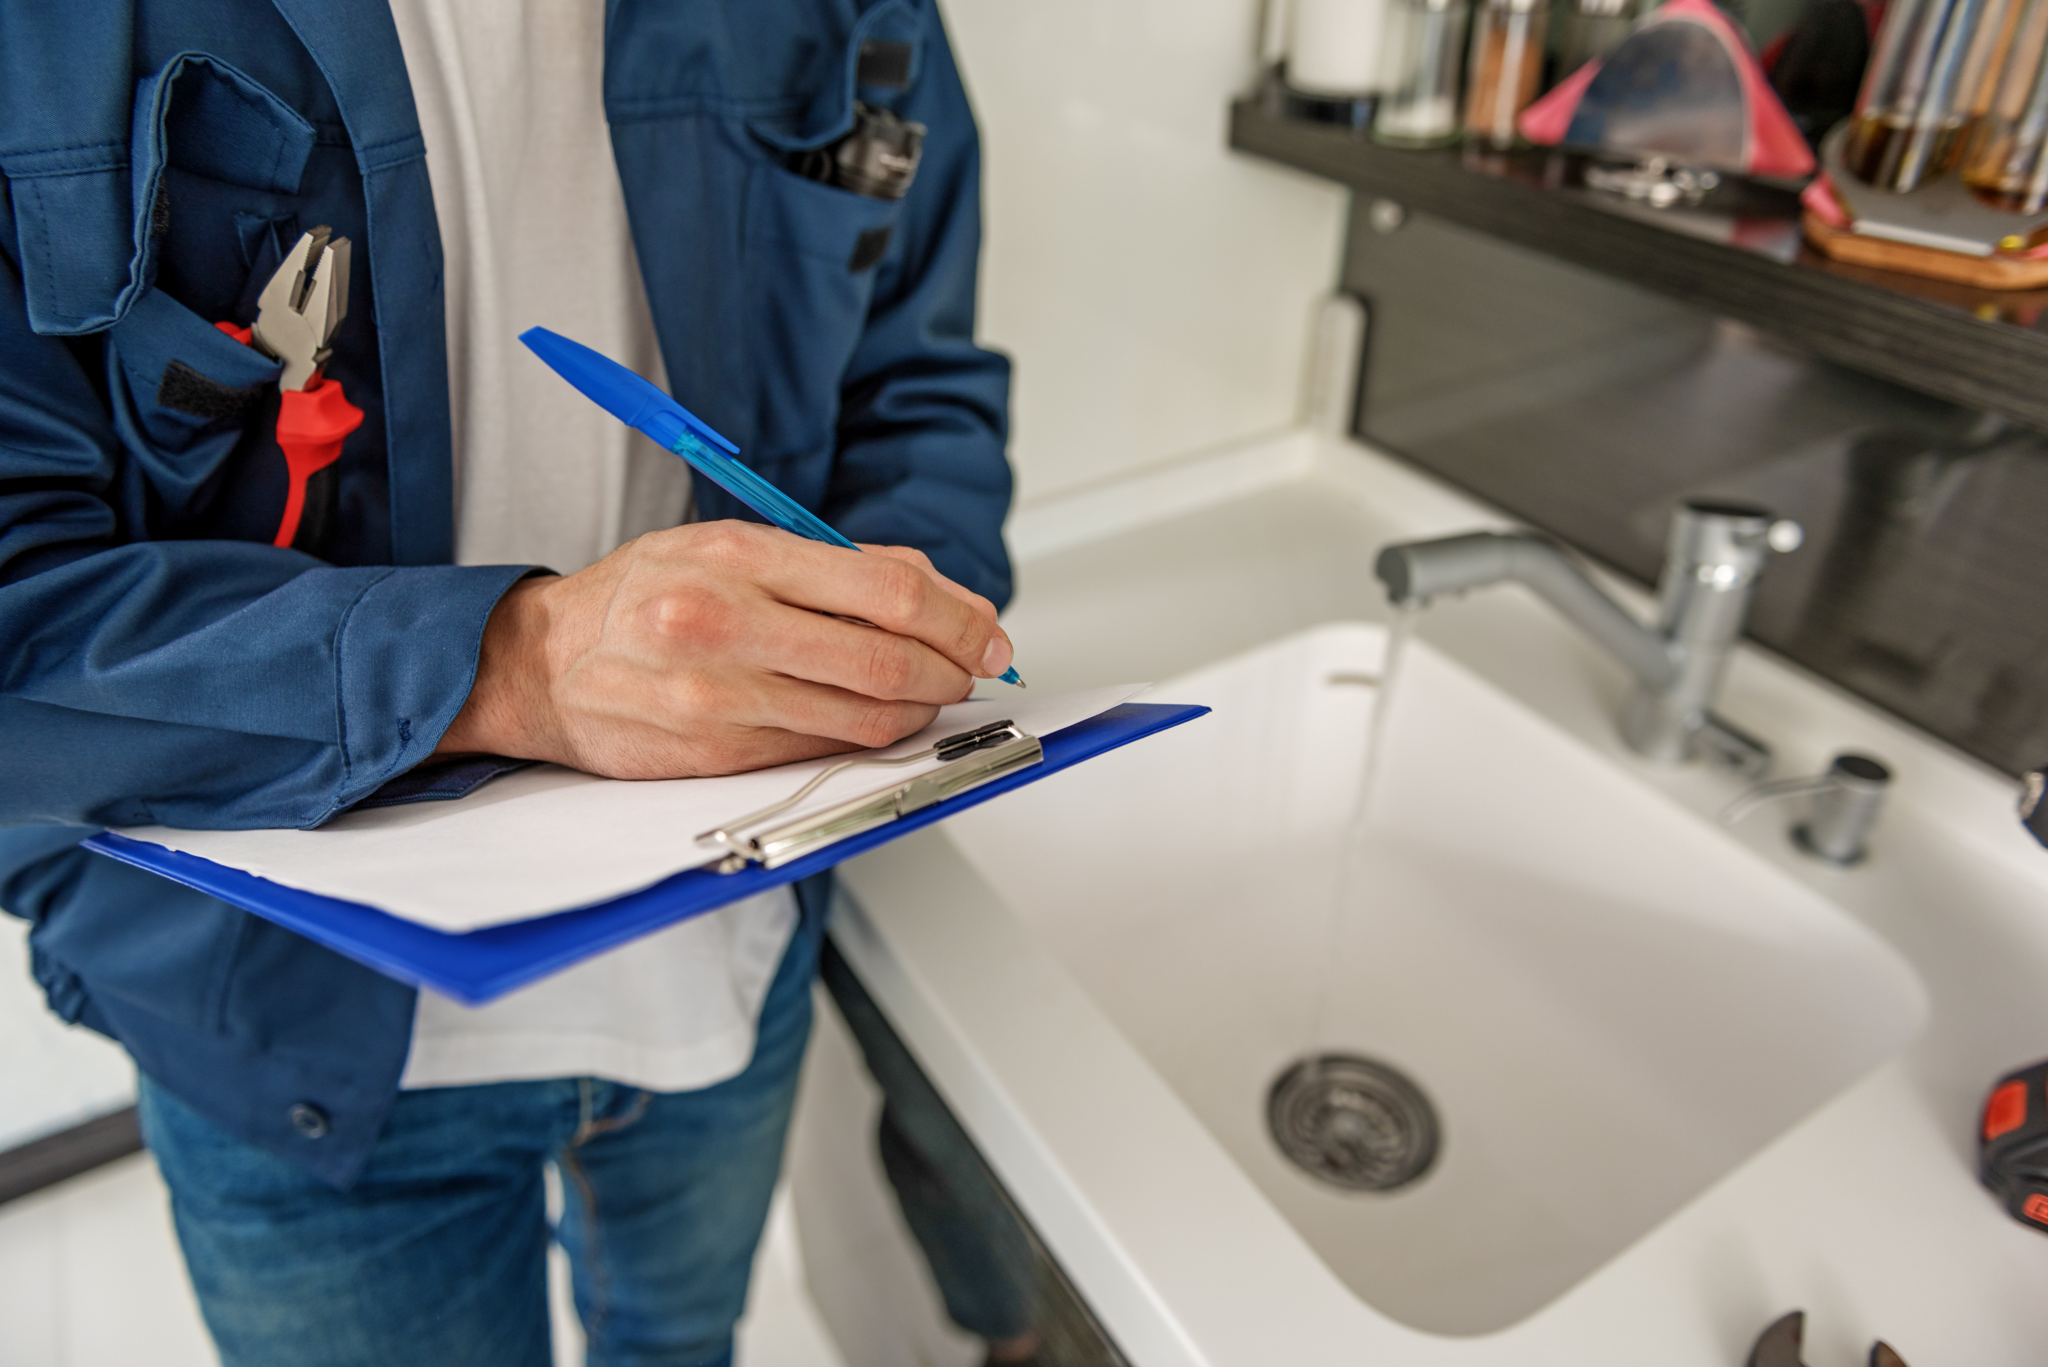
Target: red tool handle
311	425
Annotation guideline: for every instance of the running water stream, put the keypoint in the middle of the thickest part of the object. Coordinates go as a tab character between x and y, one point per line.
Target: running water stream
1347	1119
1353	852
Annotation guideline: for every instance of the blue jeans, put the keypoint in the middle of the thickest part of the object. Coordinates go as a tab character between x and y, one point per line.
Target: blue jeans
438	1254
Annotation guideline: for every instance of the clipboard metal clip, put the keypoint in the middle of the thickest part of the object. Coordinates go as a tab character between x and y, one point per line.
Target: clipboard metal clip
972	759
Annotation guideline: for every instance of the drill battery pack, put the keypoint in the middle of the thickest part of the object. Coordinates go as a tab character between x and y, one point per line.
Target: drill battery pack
2012	1150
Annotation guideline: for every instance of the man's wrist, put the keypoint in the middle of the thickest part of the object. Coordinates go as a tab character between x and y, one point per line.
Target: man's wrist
509	693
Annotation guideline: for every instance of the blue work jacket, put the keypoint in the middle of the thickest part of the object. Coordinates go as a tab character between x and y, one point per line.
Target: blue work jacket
161	662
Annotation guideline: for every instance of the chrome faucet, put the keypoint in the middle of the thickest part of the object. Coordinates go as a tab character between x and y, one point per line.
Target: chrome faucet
1716	551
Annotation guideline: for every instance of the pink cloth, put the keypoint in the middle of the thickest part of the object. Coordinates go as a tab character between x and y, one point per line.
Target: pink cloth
1773	146
1545	121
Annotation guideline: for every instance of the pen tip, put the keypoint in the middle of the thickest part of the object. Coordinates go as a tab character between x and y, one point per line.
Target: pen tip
1012	677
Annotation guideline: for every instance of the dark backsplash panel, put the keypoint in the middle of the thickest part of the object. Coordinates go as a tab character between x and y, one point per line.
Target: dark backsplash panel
1590	408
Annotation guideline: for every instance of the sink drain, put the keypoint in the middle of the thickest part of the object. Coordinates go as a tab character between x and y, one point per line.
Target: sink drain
1352	1122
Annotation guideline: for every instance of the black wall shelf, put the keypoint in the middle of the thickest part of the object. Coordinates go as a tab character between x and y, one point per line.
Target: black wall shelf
1738	255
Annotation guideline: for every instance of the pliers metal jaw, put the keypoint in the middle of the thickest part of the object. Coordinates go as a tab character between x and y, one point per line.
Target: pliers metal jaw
1779	1345
301	306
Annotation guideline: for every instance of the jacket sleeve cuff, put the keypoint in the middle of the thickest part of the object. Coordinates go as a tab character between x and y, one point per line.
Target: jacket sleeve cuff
406	656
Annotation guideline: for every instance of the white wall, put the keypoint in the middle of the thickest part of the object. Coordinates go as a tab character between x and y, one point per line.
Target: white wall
52	1075
90	1276
1155	289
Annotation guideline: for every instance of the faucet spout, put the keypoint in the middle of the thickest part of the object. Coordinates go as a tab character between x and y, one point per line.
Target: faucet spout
1417	571
1717	550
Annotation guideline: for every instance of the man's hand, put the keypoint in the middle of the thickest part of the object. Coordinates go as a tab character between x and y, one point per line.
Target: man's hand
704	650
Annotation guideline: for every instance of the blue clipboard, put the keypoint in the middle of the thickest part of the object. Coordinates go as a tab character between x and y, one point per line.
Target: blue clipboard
488	963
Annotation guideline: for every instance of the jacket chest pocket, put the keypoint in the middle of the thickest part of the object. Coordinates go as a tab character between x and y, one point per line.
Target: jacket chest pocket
812	254
185	396
214	165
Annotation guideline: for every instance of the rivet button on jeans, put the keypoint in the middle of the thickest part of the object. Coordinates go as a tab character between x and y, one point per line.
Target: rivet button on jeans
309	1120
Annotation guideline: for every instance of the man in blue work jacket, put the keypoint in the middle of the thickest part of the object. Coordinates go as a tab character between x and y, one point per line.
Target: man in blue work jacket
162	662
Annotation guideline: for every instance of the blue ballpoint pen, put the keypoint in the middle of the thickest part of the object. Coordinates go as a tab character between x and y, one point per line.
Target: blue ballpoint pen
638	404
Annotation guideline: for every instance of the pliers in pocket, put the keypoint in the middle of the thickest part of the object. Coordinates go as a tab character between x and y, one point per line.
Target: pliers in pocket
296	315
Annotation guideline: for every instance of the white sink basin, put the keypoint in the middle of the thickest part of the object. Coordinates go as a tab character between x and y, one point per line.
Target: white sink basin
1609	1002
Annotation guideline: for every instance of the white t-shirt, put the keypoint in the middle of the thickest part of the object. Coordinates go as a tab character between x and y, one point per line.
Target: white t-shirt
534	232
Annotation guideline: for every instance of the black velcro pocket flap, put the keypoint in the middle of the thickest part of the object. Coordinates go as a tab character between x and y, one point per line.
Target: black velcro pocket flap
159	334
884	64
185	390
182	393
869	247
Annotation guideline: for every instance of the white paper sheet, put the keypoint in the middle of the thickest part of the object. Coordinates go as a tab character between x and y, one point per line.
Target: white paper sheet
548	839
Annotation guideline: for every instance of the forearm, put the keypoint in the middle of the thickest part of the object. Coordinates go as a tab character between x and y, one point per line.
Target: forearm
215	684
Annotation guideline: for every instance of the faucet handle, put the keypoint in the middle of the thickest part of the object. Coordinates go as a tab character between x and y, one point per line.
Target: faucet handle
1731	747
1746	523
1719	533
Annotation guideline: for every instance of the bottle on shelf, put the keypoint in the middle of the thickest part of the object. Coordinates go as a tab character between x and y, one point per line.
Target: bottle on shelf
1426	58
1335	52
2006	164
1921	90
1506	70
